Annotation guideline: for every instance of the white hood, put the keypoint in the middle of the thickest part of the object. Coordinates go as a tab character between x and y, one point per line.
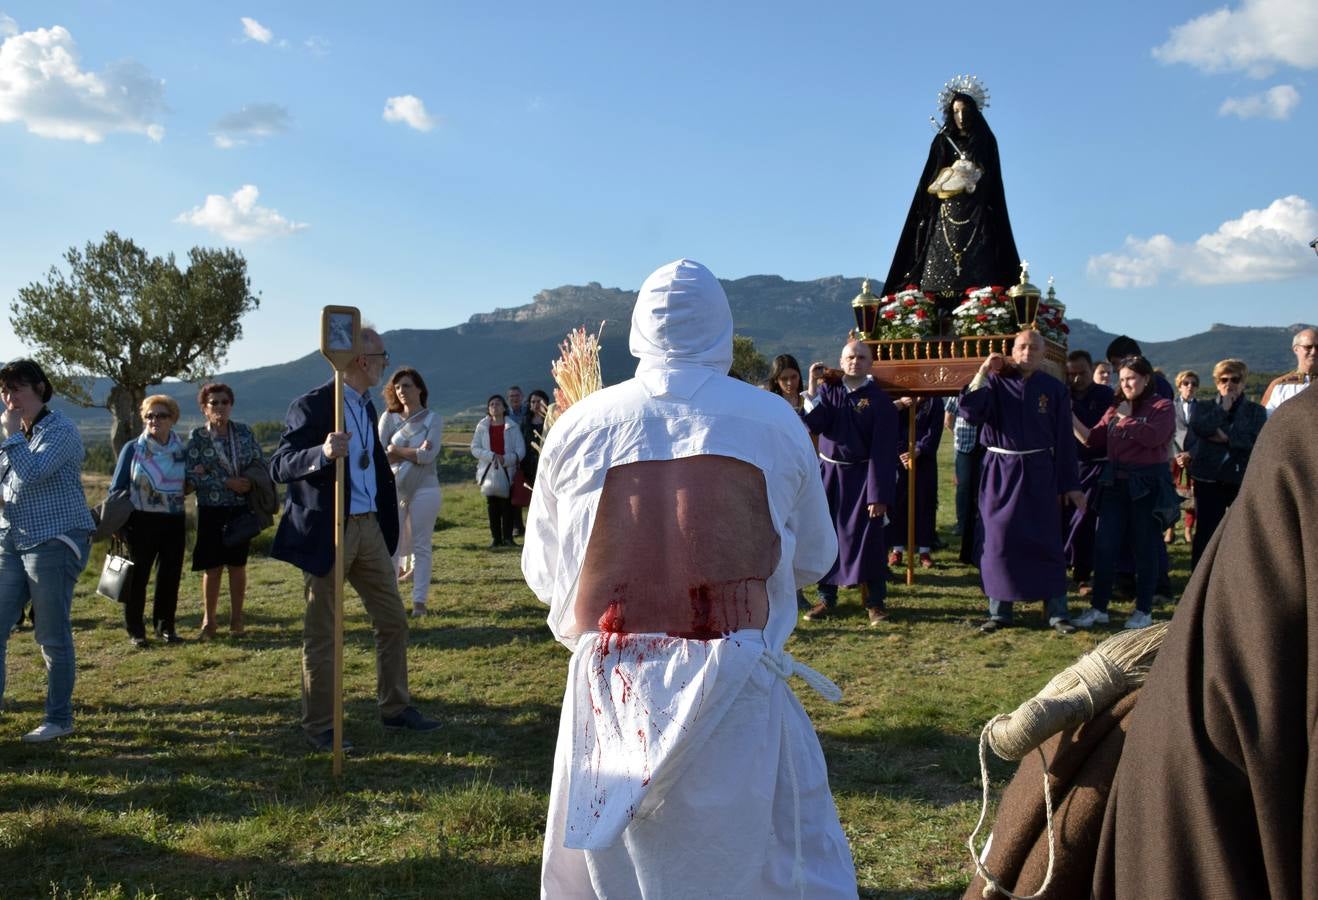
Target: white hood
681	330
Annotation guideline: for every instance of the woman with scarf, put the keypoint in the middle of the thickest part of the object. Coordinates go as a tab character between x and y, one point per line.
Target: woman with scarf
411	435
219	452
152	470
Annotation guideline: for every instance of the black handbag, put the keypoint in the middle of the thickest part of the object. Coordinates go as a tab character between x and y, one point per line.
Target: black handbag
116	573
240	529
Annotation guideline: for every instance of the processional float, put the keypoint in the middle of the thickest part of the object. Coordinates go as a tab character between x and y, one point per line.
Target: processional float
945	305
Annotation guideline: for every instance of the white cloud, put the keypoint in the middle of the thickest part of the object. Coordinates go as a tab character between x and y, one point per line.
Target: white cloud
1254	38
317	45
255	31
42	86
1275	103
8	26
1262	245
238	218
409	110
256	120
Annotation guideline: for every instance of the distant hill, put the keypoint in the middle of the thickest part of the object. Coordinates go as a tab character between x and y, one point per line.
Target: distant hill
464	364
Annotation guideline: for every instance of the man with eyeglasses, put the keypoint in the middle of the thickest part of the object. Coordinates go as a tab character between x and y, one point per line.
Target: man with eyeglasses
303	460
1290	384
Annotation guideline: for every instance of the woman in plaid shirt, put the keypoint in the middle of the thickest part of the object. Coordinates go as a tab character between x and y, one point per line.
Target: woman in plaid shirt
45	532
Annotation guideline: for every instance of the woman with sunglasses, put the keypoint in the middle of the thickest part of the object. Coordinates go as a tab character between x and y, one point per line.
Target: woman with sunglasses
1225	432
219	454
153	470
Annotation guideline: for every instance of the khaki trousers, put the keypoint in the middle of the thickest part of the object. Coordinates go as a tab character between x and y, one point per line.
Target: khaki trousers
369	569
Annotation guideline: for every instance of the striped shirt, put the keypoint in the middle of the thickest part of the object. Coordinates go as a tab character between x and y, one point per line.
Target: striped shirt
41	481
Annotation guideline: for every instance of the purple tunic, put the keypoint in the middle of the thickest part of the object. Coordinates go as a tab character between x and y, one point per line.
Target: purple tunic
1079	527
1018	494
928	434
858	463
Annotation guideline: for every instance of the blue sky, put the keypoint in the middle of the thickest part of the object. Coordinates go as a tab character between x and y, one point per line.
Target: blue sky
426	161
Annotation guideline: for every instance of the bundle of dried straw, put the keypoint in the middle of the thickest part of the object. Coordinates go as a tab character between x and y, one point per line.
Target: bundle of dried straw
576	371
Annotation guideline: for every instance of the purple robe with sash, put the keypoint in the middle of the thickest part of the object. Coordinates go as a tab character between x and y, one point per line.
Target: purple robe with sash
858	462
928	434
1029	419
1079	527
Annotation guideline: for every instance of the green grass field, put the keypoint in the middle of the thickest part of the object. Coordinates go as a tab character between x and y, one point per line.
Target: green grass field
188	777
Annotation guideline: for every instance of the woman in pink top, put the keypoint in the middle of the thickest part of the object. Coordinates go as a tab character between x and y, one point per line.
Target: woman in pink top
1136	432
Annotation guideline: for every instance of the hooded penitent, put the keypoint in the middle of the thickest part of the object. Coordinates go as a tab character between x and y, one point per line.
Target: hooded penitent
673	518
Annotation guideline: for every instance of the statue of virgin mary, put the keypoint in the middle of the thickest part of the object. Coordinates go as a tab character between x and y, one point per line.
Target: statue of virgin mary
957	234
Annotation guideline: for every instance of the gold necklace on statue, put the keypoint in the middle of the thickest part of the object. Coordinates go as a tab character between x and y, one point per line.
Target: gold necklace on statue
943	217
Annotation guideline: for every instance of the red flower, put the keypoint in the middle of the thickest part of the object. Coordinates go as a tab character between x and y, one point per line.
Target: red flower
997	289
908	302
1065	328
912	287
921	314
985	301
971	290
981	318
890	314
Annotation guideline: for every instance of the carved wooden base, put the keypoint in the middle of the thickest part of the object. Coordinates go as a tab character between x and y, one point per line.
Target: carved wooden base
933	367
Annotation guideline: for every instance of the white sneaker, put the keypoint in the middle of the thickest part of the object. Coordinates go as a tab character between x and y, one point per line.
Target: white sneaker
1089	618
1139	620
46	731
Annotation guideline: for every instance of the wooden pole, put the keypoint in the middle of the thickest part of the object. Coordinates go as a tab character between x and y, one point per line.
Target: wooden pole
910	493
340	519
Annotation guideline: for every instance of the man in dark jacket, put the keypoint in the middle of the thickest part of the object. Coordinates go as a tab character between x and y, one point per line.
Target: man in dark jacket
304	461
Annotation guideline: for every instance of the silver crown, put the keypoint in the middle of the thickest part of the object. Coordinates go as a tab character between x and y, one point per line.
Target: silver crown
970	85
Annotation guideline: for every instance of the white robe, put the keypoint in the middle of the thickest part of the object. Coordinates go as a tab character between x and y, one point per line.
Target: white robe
684	768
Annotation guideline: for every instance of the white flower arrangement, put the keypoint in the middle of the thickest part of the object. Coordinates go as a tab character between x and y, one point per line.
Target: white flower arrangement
1049	320
909	313
986	310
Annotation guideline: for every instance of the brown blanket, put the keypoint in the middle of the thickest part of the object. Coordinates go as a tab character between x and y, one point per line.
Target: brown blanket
1081	763
1216	794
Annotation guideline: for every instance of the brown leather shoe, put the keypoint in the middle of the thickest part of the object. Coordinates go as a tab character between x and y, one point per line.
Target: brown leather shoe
877	616
895	558
818	613
926	561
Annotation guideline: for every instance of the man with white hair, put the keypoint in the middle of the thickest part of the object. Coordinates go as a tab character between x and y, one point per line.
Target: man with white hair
1290	384
673	519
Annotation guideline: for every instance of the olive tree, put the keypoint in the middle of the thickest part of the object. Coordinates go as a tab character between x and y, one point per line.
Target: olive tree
749	363
133	319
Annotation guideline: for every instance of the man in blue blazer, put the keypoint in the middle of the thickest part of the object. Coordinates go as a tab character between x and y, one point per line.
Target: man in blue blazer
304	460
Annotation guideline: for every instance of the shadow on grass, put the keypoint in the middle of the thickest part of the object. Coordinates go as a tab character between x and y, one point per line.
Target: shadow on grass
67	858
918	763
227	759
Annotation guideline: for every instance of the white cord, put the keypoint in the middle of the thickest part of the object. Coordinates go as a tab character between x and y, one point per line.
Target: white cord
991	884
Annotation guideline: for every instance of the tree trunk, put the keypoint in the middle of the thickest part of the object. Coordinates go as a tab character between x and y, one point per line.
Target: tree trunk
124	404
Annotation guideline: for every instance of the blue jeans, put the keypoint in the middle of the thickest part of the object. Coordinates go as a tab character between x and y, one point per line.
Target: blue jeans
1000	610
877	592
1122	520
967	488
46	575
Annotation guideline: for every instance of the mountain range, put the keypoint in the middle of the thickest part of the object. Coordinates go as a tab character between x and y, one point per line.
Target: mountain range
466	363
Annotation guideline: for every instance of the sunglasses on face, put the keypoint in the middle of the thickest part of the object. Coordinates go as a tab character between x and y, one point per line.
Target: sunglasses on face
155	416
1229	379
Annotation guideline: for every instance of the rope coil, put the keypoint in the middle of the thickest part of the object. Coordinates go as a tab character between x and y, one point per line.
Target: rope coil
1072	697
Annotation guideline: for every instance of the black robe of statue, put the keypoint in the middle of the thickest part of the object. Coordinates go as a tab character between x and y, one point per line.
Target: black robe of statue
974	224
